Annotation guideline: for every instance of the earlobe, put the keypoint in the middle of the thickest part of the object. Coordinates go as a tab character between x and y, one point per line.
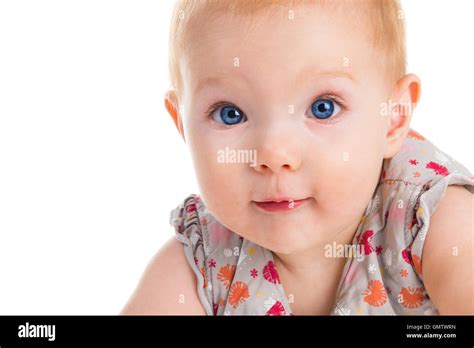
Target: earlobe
172	106
404	100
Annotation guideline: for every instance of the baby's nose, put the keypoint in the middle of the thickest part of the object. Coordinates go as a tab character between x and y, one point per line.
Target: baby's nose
278	150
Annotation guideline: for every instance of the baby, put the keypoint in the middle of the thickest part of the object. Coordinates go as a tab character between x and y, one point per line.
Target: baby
316	197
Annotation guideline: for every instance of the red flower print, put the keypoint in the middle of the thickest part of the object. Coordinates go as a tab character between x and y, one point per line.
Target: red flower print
378	249
215	306
212	263
195	260
270	273
365	241
406	254
191	208
438	168
403	273
413	162
254	273
277	309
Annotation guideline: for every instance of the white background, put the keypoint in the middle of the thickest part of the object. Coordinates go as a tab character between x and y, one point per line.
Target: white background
90	163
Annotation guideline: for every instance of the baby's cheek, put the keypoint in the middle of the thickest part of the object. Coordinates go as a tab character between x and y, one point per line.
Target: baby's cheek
220	183
347	184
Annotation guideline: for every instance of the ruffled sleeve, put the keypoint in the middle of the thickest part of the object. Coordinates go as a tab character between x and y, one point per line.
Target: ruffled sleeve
188	230
436	170
428	201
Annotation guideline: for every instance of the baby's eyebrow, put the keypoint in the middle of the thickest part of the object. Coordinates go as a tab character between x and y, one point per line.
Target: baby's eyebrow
309	73
313	73
213	81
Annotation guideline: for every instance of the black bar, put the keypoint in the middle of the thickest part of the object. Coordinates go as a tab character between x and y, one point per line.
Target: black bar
223	330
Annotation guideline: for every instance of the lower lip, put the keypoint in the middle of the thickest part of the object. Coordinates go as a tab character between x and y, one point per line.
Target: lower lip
281	206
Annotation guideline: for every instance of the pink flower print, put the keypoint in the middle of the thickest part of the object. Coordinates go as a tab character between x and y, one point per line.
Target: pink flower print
406	254
413	162
190	208
366	240
378	249
254	273
276	309
270	273
212	263
438	168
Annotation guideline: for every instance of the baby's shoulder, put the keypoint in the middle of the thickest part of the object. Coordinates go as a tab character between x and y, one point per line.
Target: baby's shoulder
447	254
167	286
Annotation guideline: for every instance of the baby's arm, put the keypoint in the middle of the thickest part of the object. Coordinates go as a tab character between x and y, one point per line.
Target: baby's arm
448	253
167	287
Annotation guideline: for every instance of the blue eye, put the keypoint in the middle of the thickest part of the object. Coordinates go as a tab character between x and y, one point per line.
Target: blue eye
228	115
323	108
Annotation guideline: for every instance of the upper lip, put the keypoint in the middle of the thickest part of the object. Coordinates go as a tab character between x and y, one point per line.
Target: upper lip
280	199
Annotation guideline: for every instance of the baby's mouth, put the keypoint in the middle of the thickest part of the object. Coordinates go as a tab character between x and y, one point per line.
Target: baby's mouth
280	204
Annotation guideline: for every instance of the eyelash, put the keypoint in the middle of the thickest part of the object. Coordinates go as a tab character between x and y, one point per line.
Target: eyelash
214	107
327	95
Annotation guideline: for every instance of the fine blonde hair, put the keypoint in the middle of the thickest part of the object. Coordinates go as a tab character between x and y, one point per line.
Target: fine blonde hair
384	17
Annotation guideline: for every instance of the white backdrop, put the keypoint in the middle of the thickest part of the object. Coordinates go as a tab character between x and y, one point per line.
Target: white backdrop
90	163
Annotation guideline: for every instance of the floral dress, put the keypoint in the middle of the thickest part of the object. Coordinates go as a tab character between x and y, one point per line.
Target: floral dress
238	277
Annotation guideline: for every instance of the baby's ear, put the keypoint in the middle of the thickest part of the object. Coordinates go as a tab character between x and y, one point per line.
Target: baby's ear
402	102
172	106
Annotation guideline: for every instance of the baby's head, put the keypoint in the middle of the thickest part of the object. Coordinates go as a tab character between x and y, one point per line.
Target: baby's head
308	92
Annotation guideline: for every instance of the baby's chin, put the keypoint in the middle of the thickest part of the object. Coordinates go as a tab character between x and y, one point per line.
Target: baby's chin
283	236
281	232
282	241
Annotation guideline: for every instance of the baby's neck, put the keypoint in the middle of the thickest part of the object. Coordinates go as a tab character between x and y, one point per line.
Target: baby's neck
304	264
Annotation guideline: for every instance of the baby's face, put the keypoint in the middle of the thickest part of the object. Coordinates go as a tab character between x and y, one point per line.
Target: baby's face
304	95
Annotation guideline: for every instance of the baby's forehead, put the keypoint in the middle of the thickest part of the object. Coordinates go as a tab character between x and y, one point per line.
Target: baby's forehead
277	48
205	33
